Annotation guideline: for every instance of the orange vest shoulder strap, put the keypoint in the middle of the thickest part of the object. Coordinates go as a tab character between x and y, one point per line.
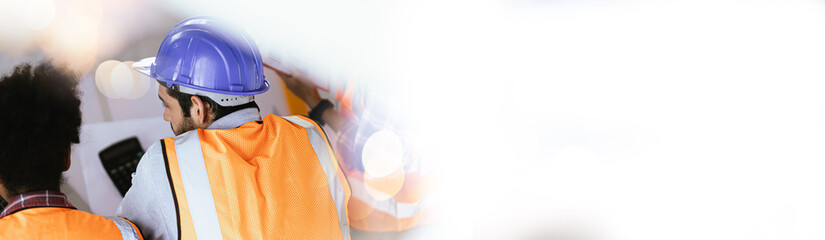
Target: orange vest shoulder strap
338	185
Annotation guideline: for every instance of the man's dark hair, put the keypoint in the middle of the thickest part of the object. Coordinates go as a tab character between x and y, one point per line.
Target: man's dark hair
218	111
39	120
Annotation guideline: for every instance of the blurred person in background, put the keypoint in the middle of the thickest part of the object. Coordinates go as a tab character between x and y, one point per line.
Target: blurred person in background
228	173
39	121
395	201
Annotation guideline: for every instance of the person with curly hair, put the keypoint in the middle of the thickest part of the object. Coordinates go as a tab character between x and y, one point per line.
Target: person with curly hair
39	121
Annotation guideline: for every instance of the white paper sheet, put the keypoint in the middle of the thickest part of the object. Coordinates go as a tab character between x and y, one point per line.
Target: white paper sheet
87	176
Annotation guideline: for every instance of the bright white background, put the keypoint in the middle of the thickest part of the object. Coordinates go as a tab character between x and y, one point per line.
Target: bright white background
630	119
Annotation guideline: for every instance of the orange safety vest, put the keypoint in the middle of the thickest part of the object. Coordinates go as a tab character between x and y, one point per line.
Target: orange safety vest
278	179
56	223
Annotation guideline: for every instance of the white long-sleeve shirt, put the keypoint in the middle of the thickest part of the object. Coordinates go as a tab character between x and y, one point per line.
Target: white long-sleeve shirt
149	203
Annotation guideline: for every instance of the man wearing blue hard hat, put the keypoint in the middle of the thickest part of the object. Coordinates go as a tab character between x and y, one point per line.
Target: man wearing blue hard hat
229	173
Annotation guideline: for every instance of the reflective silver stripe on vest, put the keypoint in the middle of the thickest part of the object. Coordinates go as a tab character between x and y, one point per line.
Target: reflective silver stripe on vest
336	188
127	231
196	186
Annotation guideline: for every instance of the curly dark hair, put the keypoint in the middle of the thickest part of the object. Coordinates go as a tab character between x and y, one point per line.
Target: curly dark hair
39	120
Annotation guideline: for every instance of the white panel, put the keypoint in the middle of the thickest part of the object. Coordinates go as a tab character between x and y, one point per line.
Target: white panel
97	188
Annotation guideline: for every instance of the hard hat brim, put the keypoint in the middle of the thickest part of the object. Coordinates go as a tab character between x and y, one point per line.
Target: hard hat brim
144	66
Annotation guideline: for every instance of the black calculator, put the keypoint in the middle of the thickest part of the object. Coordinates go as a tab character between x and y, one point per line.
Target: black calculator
120	160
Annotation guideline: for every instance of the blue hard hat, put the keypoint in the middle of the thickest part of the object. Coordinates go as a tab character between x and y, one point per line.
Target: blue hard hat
207	56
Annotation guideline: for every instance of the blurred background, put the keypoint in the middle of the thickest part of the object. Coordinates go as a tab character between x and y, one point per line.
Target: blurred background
533	119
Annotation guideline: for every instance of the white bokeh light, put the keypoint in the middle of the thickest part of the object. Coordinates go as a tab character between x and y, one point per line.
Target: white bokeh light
122	80
103	78
117	79
382	154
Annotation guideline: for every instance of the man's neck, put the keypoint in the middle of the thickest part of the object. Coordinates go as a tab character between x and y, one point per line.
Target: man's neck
4	193
236	119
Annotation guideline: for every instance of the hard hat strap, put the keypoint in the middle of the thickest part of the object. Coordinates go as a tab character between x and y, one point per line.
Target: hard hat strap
225	100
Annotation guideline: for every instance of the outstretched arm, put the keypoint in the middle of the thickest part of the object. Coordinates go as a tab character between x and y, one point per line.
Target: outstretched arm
308	92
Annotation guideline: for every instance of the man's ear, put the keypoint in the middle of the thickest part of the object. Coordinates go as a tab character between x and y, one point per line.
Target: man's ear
68	163
198	111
